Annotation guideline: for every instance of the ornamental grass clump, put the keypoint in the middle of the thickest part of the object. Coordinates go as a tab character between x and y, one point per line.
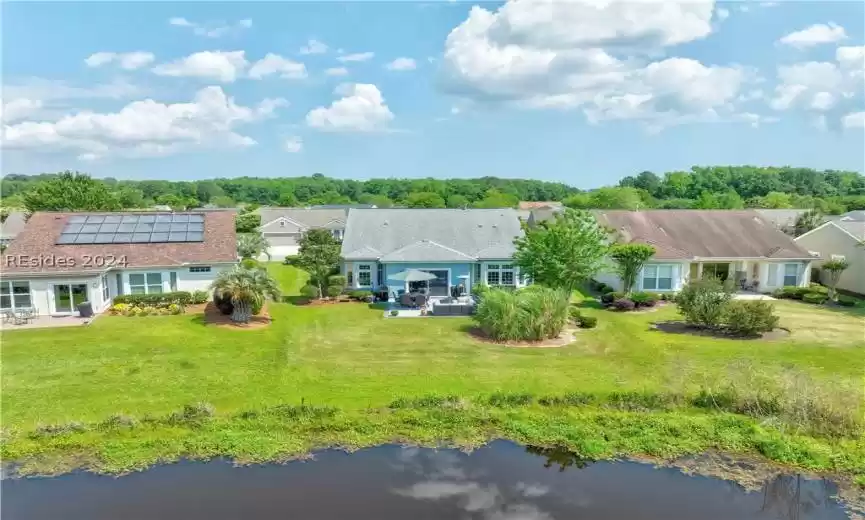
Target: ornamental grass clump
523	315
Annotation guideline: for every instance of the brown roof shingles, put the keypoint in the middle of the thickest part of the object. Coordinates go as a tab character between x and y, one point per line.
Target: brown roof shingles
685	234
35	249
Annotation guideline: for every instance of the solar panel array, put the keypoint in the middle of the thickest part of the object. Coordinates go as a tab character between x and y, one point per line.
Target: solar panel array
150	228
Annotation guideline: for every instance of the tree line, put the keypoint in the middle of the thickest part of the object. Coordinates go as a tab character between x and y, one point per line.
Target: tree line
716	187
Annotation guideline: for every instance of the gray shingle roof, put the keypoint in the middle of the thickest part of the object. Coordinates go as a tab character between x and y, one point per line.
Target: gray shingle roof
854	227
13	225
781	218
685	234
432	235
308	217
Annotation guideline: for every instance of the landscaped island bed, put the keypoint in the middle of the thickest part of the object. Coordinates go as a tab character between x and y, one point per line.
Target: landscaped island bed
345	376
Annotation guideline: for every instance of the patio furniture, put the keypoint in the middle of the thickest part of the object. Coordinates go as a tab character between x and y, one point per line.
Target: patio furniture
452	309
420	300
406	300
8	316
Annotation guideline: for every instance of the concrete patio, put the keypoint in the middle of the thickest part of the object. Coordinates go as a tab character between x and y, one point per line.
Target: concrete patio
46	322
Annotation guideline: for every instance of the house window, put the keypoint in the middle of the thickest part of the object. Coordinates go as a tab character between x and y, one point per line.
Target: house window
15	295
145	283
172	280
200	269
791	274
380	274
500	274
838	257
337	234
105	295
364	275
658	277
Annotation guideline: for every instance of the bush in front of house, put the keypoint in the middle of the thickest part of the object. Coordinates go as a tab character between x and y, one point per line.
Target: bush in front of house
334	290
479	290
748	318
587	322
846	301
309	291
156	299
360	295
127	309
523	316
791	292
608	298
815	298
644	299
574	314
702	302
199	297
624	304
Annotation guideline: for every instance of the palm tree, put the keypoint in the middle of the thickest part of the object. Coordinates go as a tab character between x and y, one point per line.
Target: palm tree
247	289
251	245
835	267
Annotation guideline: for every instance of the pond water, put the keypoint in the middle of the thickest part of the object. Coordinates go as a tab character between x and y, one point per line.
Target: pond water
501	481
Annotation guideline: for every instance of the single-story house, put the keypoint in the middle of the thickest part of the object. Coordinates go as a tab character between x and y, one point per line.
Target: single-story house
60	260
13	225
840	239
283	227
457	246
689	244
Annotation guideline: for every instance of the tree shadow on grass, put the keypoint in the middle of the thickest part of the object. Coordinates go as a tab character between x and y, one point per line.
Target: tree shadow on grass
295	300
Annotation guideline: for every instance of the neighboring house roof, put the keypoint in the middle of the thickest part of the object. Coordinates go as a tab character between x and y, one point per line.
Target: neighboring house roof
306	218
782	218
688	234
430	235
543	215
14	224
345	207
538	204
36	251
854	229
856	216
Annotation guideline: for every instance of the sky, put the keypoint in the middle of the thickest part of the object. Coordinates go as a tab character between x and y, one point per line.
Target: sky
578	92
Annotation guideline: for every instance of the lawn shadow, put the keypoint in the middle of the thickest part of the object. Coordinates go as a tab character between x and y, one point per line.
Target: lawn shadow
295	300
379	306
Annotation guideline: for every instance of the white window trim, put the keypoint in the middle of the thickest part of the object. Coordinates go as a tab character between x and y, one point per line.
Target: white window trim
501	270
658	277
146	285
358	271
29	293
106	293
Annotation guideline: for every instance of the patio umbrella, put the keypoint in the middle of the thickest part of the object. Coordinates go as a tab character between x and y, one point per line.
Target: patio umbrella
412	275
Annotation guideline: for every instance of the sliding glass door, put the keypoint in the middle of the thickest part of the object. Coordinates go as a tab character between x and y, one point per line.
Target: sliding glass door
68	296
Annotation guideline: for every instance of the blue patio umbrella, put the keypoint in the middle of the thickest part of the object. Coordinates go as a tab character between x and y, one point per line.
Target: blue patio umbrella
412	275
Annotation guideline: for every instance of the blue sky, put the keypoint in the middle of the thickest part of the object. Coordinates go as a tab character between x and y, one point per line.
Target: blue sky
565	92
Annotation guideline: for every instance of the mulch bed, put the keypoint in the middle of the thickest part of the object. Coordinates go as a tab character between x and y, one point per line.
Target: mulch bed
212	316
565	338
680	327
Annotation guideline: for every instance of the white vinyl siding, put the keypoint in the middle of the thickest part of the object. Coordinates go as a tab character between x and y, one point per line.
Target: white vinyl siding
772	275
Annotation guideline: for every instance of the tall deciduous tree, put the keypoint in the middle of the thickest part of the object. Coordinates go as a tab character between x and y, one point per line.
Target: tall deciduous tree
564	252
319	255
424	199
835	268
247	222
70	191
629	260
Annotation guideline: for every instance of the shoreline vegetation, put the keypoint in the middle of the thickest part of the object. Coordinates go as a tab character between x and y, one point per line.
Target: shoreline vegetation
123	394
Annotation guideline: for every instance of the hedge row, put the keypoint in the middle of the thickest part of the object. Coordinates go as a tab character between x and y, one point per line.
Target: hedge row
162	299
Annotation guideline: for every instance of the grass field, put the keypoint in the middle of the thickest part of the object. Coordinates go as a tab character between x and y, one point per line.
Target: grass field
350	358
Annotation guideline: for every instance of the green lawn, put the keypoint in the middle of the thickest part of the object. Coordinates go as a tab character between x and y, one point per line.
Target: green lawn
349	357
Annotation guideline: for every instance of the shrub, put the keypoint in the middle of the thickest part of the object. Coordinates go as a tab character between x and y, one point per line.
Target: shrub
119	308
290	260
174	309
644	299
309	291
587	322
223	303
337	280
334	290
846	301
574	314
53	430
480	290
118	421
250	263
606	289
524	315
360	295
157	299
794	293
503	399
192	414
624	304
569	399
610	297
641	401
702	302
428	401
815	297
199	297
747	318
394	312
817	288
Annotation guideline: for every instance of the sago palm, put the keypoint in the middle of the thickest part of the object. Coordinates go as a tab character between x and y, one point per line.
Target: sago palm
251	245
247	289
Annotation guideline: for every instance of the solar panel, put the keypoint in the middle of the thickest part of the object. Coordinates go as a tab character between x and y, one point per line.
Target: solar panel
133	228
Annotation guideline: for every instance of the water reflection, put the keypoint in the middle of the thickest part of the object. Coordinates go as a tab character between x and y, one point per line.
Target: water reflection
502	481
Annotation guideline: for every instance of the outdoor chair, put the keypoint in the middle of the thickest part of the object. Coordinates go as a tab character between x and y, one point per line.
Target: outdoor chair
420	301
406	300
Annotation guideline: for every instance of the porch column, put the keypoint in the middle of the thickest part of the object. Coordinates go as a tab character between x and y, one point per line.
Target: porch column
699	270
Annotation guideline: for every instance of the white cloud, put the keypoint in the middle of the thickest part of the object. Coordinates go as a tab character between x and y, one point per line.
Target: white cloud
218	65
595	56
336	71
814	35
362	109
293	144
402	64
314	47
19	108
851	57
144	128
126	60
276	64
722	13
854	120
212	29
360	56
57	90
